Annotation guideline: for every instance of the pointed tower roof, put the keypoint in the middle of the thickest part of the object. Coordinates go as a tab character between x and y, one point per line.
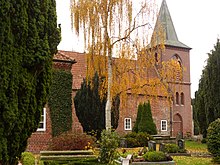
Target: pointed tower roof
164	22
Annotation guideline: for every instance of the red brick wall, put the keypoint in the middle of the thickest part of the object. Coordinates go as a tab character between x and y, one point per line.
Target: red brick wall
40	140
159	107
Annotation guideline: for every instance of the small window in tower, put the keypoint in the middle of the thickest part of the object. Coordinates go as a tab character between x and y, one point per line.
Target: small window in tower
182	98
177	98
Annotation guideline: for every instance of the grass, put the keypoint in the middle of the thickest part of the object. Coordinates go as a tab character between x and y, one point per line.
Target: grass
198	147
187	160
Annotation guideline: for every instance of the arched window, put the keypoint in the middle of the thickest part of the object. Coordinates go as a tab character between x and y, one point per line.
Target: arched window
177	58
182	98
177	98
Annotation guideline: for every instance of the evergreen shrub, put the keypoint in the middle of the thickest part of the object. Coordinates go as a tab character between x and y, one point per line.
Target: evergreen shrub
155	156
135	128
71	141
27	158
213	139
144	121
171	148
51	163
138	139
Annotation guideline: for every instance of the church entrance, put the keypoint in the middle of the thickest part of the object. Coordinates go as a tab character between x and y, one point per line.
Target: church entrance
177	125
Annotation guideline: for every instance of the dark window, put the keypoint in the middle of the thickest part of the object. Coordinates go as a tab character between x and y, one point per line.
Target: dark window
177	98
182	98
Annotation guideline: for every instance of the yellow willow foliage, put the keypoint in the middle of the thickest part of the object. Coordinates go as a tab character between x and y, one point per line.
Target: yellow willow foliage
112	31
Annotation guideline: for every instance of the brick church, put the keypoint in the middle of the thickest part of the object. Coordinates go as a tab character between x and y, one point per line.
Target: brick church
171	119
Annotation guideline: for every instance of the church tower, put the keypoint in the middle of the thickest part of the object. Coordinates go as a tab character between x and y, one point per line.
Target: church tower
181	111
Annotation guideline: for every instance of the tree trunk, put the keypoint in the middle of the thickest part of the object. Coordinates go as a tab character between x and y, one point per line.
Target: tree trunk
109	94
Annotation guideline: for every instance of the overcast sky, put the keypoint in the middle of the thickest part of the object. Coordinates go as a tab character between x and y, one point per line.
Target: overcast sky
196	22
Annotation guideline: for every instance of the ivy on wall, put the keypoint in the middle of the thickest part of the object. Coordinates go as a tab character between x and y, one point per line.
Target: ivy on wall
60	101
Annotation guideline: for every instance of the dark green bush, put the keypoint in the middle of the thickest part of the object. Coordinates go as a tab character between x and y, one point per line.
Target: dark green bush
213	139
146	123
27	158
203	140
132	142
138	139
155	156
171	148
71	141
131	135
143	138
51	163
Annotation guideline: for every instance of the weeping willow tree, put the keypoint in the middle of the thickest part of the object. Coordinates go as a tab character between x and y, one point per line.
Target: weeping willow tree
116	35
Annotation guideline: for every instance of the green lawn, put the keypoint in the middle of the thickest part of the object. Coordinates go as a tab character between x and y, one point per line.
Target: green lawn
193	146
187	160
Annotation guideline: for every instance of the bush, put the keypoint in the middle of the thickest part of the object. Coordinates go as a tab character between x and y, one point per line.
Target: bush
155	156
132	142
71	141
213	139
51	163
108	145
27	158
171	148
146	123
138	139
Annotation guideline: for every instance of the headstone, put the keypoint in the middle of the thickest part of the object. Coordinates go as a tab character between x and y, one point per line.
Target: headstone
123	143
179	136
162	147
152	145
181	144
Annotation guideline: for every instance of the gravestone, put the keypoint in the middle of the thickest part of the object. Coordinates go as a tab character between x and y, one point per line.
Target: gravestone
123	143
181	144
152	145
162	147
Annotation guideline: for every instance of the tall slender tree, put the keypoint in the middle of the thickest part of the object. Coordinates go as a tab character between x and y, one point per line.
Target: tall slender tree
28	40
207	98
138	119
111	29
146	123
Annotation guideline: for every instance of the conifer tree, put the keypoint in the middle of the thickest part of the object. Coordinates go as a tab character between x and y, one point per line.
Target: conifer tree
207	98
139	113
146	123
152	130
28	40
90	107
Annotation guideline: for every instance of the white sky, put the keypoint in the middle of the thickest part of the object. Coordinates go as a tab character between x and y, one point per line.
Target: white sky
196	22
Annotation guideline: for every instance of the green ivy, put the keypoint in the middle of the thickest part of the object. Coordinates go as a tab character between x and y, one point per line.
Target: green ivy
60	101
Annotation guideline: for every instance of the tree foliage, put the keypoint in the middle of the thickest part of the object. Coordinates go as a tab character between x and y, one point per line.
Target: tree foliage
213	139
146	123
138	119
116	36
207	98
28	40
90	107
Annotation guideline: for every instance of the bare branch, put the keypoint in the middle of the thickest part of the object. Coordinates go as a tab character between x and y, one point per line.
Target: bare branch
129	33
